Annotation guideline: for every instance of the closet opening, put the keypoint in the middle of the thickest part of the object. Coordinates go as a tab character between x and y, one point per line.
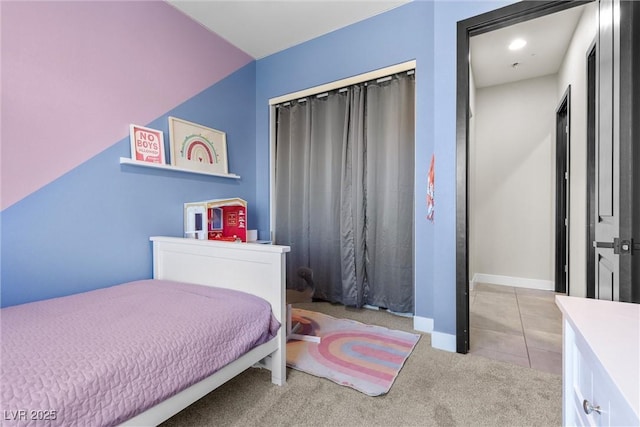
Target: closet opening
342	188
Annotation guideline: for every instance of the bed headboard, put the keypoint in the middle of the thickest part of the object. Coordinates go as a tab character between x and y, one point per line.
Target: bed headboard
254	268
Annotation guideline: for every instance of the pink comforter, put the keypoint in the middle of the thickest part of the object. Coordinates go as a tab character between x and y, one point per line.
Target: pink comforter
102	357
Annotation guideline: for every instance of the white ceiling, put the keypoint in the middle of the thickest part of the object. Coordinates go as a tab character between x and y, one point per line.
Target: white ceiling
263	27
547	39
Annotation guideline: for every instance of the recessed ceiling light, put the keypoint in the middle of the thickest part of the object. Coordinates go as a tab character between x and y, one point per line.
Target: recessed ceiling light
517	44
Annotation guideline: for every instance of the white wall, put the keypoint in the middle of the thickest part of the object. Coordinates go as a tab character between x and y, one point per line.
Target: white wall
512	168
574	72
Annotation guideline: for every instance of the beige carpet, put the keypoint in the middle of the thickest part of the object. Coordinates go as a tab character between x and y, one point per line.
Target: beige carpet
434	388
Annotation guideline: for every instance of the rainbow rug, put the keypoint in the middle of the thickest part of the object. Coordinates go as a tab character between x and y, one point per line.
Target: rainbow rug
364	357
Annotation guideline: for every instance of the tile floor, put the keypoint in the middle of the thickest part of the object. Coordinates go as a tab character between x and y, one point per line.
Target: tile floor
516	325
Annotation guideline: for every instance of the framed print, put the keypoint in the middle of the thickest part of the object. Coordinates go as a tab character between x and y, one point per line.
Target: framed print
197	147
147	145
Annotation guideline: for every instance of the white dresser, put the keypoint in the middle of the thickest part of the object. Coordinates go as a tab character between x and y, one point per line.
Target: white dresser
601	362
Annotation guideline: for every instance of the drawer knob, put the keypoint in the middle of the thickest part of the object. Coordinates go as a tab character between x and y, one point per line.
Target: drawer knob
589	408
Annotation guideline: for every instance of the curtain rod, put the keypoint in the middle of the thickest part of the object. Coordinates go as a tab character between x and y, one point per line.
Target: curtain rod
343	89
350	81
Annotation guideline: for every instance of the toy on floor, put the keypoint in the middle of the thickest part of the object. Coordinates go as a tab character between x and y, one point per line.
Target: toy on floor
307	275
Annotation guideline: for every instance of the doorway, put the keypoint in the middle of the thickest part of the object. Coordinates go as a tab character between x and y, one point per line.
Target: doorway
620	63
562	194
500	18
320	132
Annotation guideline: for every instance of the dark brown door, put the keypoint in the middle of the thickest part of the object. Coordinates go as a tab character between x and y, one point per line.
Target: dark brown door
591	171
614	186
562	194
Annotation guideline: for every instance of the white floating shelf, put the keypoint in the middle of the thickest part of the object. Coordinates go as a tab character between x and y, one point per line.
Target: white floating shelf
128	161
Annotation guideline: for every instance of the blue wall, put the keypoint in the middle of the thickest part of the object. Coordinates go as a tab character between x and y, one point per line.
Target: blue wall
421	30
90	228
400	35
446	16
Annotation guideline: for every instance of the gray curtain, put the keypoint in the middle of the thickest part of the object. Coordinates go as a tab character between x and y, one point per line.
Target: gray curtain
389	202
344	192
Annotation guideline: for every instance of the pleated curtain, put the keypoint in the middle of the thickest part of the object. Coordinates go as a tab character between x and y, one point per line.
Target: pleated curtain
344	192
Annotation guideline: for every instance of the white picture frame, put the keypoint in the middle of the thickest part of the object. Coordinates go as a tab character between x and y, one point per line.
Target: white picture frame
196	147
147	145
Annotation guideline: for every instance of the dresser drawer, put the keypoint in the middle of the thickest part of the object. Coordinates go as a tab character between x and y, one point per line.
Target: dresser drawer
591	396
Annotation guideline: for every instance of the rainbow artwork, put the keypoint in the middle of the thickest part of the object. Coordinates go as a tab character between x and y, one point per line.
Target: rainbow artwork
197	148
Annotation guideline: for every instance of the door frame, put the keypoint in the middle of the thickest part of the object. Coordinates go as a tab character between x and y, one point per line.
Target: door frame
493	20
591	169
563	144
632	43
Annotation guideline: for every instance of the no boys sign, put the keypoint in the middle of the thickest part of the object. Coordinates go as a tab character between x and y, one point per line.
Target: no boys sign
147	145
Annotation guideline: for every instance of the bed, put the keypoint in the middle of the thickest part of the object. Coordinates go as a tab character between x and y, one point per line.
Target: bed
150	358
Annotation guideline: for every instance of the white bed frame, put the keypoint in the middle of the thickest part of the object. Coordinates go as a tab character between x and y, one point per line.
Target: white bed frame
252	268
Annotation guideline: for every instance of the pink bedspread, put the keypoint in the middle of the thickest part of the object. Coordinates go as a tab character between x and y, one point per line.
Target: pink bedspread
102	357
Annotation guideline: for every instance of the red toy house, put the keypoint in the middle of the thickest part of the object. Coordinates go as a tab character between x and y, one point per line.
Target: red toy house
226	219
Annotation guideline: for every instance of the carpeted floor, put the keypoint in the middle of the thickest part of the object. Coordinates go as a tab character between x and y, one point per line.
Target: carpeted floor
434	388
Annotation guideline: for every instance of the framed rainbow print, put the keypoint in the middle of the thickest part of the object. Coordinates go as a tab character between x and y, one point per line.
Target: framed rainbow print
198	148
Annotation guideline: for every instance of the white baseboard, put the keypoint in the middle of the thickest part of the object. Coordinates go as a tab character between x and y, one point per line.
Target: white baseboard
423	324
518	282
439	340
442	341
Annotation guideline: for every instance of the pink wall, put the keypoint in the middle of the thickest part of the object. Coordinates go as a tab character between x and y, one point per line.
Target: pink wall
88	50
